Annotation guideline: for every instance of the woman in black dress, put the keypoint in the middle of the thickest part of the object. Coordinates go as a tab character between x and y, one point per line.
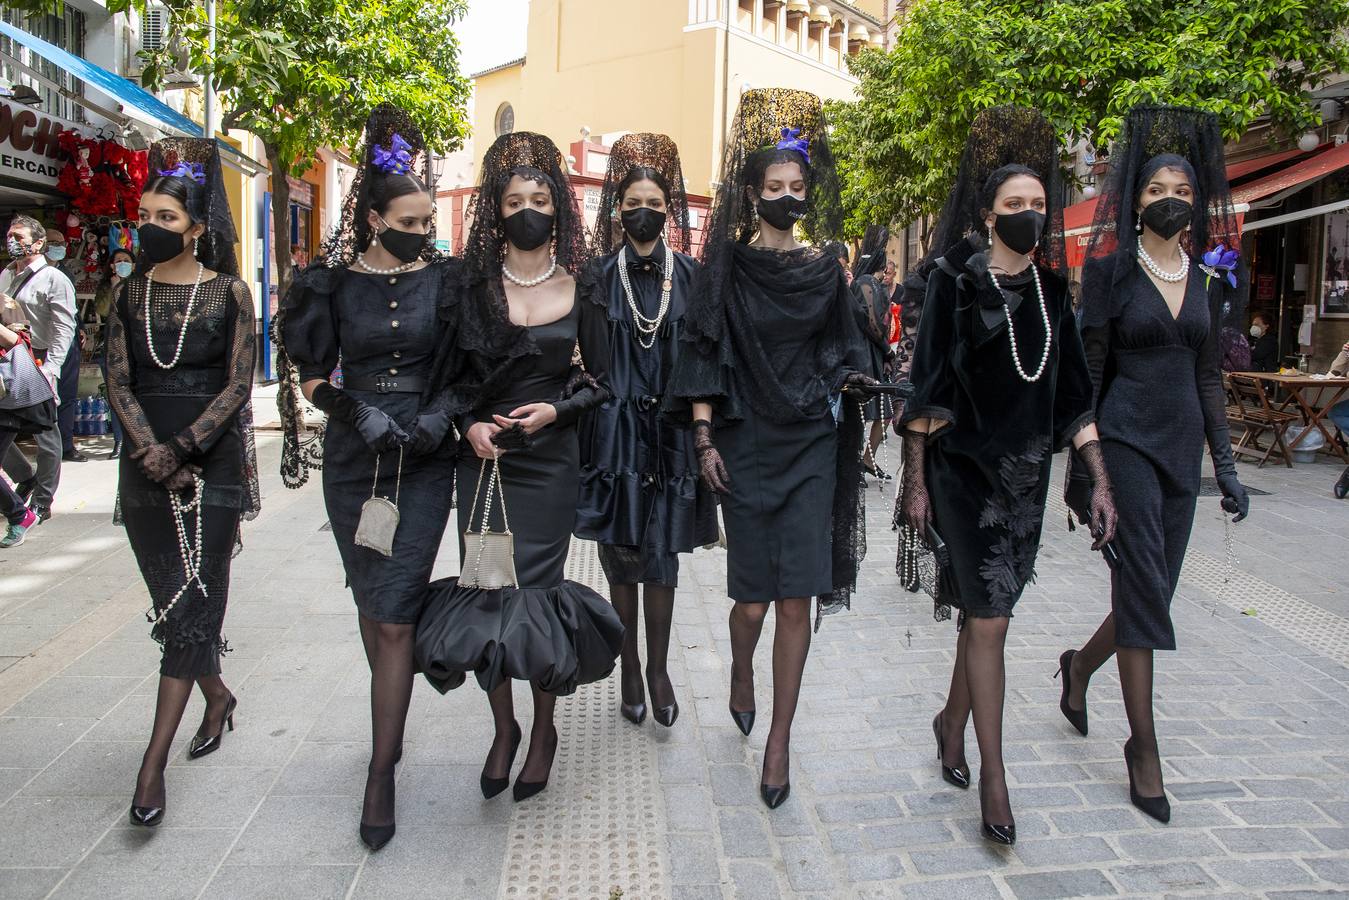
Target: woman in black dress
506	366
872	308
770	337
1152	311
640	494
1000	383
180	353
375	300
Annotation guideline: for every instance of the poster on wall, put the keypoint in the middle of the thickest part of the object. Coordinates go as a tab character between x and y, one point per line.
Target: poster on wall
1335	279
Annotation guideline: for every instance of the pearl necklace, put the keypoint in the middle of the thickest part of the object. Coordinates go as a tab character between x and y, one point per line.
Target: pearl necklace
396	270
187	317
189	548
1011	329
1169	277
530	282
647	329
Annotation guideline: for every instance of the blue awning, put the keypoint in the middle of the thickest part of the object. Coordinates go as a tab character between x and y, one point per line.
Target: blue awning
137	103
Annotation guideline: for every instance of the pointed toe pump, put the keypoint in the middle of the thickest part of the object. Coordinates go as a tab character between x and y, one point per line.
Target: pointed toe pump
1076	717
666	715
523	790
203	745
953	775
376	836
493	786
146	816
774	795
743	720
1159	807
1000	834
633	712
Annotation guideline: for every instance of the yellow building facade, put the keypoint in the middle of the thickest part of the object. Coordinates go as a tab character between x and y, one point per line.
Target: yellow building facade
671	66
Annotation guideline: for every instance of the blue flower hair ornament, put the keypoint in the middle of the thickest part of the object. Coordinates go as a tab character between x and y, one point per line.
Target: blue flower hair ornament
394	159
792	140
1221	262
194	171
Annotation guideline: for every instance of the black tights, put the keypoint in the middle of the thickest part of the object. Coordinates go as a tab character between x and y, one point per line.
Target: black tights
1135	679
388	649
169	705
791	644
978	686
659	603
542	736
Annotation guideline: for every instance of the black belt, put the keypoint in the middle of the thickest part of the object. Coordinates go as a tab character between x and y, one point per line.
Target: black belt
386	384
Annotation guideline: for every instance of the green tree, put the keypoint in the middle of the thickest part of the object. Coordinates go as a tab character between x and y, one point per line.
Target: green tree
303	74
1083	63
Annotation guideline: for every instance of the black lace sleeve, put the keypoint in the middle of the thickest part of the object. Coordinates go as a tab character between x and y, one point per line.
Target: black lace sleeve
934	385
1073	387
592	333
220	413
1208	378
122	374
867	291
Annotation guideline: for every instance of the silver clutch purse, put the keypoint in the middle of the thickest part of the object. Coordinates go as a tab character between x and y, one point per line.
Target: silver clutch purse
379	515
489	556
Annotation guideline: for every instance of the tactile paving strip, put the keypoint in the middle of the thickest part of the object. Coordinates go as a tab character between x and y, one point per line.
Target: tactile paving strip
598	830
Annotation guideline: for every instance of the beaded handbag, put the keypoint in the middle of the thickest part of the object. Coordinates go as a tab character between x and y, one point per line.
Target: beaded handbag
379	515
489	556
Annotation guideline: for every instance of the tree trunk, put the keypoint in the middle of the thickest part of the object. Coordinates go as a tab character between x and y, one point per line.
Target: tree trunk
280	216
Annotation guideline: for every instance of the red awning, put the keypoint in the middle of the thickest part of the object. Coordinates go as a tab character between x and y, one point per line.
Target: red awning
1294	176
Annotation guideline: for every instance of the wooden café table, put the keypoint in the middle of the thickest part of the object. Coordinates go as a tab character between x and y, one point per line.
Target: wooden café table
1297	388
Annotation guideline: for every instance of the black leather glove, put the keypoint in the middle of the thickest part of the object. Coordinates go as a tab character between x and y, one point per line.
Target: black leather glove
376	428
711	467
1102	515
915	505
1077	491
1235	498
428	432
856	380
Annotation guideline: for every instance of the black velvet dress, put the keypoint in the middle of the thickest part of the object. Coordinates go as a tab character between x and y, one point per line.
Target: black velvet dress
988	469
378	325
789	337
640	494
548	630
1160	389
195	406
871	306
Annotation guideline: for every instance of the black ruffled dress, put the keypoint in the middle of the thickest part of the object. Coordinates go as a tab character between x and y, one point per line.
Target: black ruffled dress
550	631
194	406
769	354
1160	390
640	495
378	325
988	469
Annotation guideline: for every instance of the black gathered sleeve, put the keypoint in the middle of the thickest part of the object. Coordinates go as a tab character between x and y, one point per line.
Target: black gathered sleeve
1074	388
592	334
309	329
121	364
934	384
220	414
1212	400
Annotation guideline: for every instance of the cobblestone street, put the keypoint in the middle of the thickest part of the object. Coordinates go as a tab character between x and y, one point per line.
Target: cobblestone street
1253	714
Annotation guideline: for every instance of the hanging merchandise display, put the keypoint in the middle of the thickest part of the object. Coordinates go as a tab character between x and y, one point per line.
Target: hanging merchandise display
101	177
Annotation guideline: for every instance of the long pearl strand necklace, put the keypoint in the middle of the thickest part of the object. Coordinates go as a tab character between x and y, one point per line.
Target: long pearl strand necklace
187	317
647	329
189	547
375	270
1169	277
1011	329
530	282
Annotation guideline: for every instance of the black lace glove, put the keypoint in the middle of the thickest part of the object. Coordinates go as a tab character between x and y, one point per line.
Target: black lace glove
375	427
428	432
158	462
711	468
1077	491
182	479
513	438
1102	516
855	380
914	504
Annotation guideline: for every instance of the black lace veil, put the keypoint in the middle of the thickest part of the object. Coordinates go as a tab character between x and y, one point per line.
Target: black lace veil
215	248
649	151
871	256
536	157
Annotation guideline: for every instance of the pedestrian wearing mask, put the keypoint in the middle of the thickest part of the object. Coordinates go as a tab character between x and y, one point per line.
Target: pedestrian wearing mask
1264	344
120	267
68	387
48	300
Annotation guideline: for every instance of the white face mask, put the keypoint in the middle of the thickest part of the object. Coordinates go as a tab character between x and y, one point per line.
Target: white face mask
1257	331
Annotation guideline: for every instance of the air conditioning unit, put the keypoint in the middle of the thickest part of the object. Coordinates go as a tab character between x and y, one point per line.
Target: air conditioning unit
154	28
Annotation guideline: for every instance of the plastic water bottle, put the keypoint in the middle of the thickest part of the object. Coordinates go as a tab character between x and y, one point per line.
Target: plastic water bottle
104	427
82	416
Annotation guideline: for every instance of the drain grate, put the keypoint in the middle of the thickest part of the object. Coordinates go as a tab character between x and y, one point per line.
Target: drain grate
597	829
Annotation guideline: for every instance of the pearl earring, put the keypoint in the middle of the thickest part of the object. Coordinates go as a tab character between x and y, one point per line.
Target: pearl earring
1138	226
194	247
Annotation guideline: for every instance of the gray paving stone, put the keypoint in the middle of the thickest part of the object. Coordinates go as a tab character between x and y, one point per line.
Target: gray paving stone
959	860
90	769
807	865
302	831
697	892
1068	883
434	863
981	888
743	834
1162	846
1097	821
1204	790
688	807
693	859
34	742
858	809
329	770
754	881
734	785
66	696
905	834
270	882
178	862
1057	851
1265	874
1332	838
43	832
1333	869
1277	812
1265	840
1158	879
874	867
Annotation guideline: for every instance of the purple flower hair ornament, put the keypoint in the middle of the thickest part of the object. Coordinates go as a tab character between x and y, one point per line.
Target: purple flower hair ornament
394	159
1221	262
195	171
792	140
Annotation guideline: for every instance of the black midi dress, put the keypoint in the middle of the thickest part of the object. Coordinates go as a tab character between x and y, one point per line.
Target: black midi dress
547	630
640	495
788	339
1160	390
194	407
378	325
872	309
987	470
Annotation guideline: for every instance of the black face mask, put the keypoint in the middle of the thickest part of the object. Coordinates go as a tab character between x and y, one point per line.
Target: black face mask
643	224
159	245
528	229
783	212
1020	231
404	245
1167	217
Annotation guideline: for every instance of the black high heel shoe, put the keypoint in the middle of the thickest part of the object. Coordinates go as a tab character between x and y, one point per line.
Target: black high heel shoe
523	790
998	834
1076	717
664	715
146	816
493	786
633	712
1342	485
1157	807
202	745
774	795
744	719
950	774
376	836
